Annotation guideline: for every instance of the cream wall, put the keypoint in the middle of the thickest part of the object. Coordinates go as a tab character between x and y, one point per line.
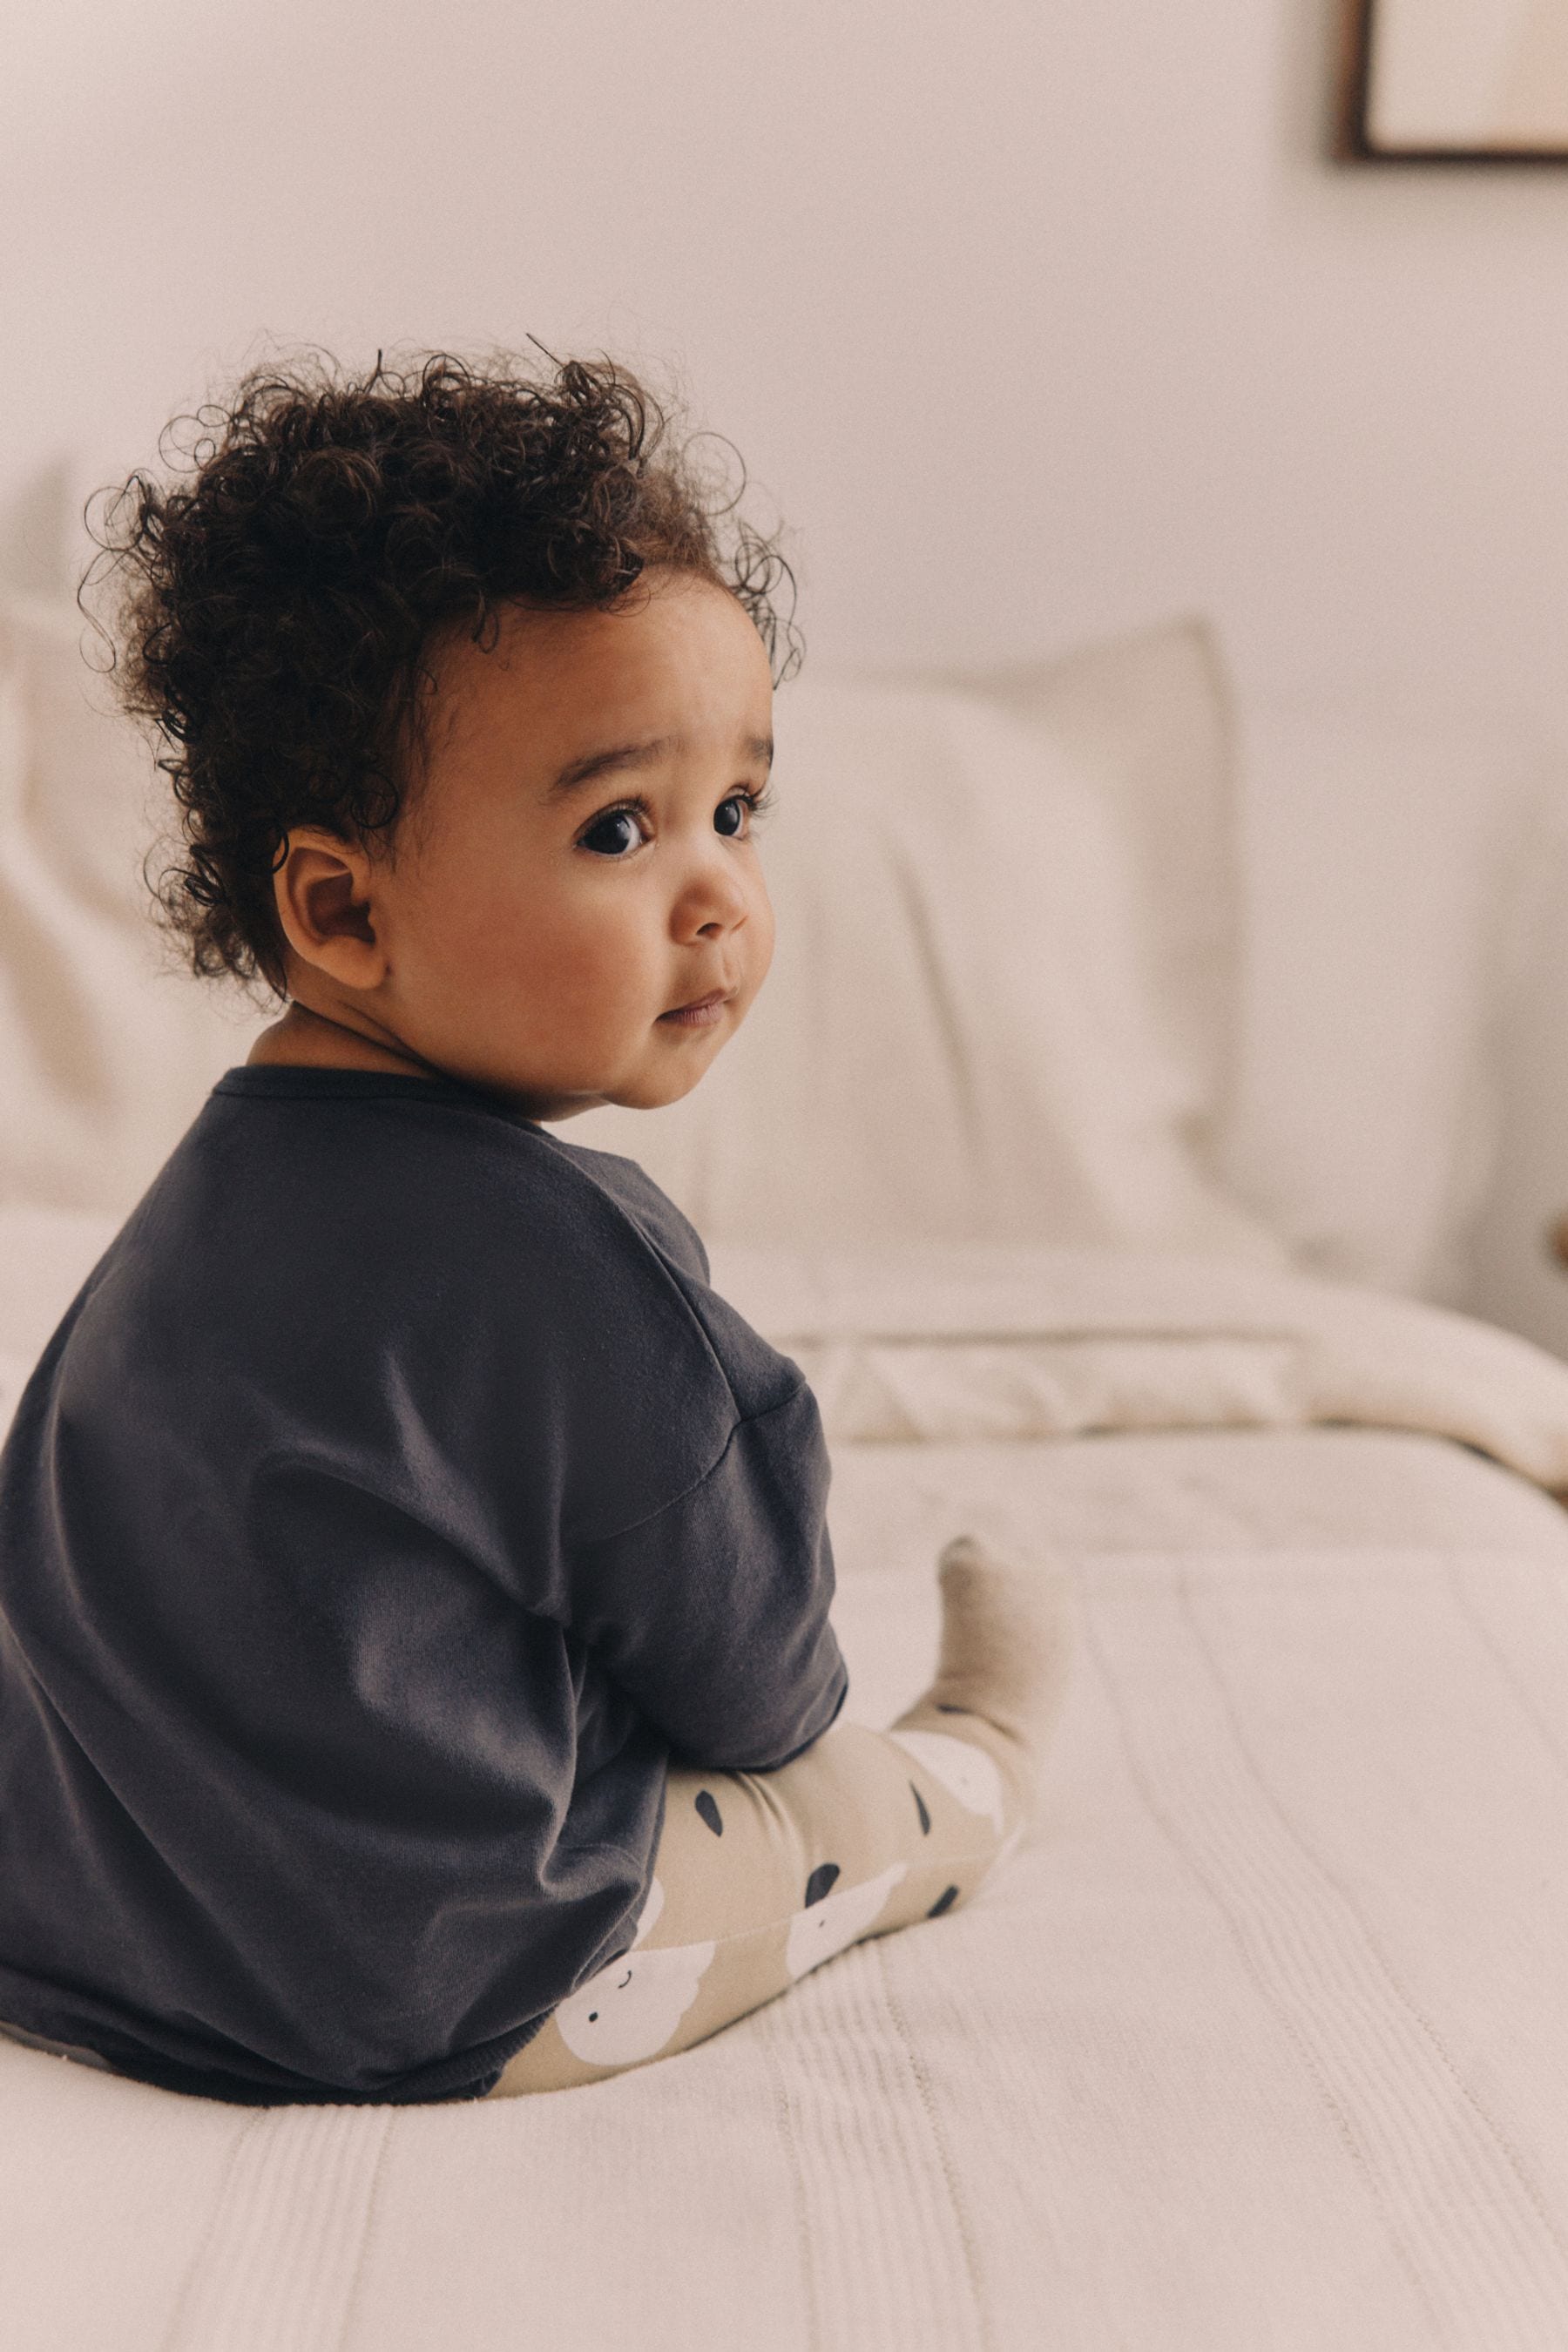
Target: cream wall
1032	320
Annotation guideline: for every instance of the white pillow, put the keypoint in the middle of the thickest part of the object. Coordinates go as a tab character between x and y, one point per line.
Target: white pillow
107	1048
1388	860
1148	719
984	1020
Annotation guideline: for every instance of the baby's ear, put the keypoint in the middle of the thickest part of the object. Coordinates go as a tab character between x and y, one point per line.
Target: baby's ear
323	891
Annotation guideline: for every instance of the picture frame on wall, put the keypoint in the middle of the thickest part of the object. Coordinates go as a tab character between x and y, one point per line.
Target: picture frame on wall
1460	82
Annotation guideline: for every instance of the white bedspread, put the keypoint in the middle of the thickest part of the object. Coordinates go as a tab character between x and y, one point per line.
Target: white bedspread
1260	2042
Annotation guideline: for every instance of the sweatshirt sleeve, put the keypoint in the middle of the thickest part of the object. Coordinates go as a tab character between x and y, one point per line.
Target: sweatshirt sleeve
712	1614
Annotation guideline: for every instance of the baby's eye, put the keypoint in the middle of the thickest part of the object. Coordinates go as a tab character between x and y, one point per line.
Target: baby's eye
732	815
613	834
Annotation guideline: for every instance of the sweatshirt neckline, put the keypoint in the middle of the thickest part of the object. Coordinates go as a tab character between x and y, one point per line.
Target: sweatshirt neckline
316	1081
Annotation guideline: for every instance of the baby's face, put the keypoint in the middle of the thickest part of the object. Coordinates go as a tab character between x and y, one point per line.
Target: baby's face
541	926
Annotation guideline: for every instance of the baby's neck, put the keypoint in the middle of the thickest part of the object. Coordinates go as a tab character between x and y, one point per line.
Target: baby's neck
304	1036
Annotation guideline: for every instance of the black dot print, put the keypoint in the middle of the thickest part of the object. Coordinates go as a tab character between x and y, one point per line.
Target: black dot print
921	1809
944	1902
821	1879
708	1808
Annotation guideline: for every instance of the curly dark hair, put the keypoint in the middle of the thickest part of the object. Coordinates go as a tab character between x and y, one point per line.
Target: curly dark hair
277	603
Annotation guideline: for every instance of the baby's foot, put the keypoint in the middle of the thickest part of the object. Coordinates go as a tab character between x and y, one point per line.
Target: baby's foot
1005	1642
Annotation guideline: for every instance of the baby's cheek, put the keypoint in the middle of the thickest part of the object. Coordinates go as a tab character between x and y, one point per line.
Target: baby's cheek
577	1005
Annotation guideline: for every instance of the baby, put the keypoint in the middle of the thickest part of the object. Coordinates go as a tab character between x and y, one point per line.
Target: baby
416	1680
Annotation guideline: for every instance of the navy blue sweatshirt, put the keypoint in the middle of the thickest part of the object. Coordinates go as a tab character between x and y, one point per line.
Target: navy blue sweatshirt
393	1500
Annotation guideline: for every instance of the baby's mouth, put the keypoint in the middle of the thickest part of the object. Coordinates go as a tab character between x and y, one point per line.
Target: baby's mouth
701	1012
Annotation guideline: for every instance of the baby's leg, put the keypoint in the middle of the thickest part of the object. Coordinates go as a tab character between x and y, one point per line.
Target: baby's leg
760	1876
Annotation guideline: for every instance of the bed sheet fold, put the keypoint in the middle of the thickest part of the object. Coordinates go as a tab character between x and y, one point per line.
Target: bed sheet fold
978	1343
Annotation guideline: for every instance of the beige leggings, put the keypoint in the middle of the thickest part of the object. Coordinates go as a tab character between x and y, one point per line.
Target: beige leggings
760	1876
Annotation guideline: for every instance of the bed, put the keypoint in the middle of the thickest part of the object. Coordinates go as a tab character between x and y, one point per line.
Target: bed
1258	2039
